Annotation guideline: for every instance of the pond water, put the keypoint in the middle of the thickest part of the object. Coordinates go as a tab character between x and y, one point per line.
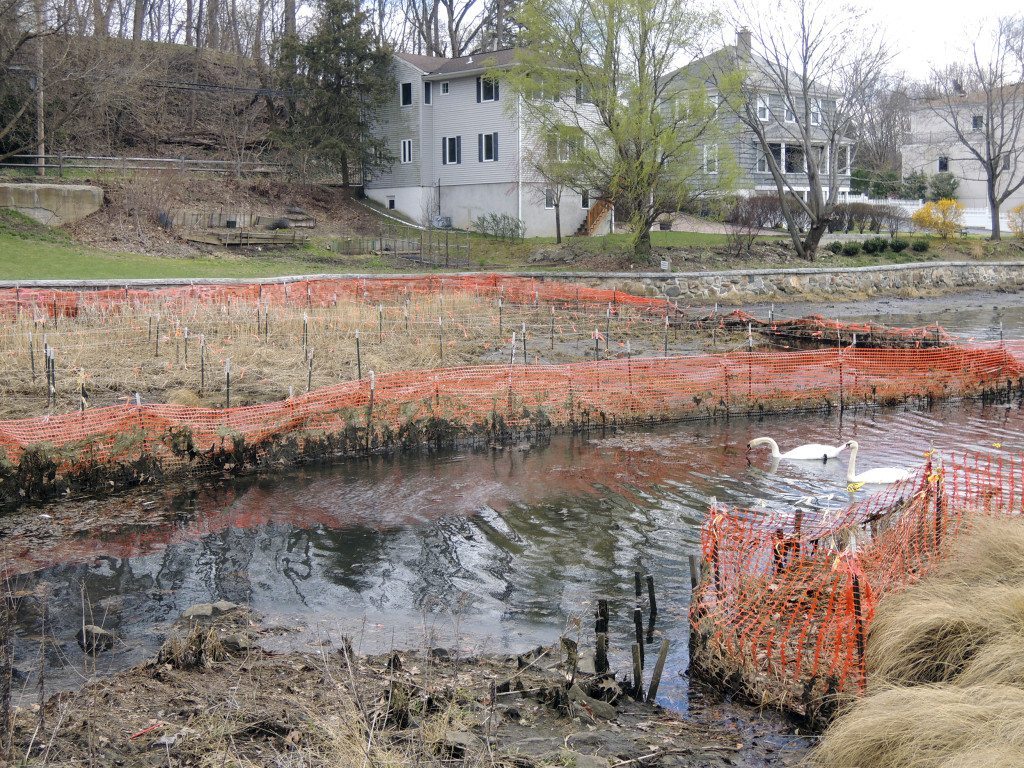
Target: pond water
491	550
486	550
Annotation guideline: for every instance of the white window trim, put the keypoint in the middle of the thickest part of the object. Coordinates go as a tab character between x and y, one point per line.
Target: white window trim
711	155
483	85
816	111
492	158
406	151
444	87
790	115
763	104
401	95
762	160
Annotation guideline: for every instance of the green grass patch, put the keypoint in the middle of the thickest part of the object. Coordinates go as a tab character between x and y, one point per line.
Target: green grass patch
32	258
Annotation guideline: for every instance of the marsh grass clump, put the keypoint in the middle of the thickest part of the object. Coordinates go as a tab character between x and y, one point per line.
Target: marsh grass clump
945	665
928	726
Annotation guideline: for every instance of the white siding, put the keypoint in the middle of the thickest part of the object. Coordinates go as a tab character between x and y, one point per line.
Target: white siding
398	123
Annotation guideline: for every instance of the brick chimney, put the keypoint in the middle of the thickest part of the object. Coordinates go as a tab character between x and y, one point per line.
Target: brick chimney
743	44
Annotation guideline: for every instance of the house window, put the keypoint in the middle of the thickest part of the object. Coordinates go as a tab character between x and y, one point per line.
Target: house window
486	89
406	151
585	199
426	93
790	115
451	150
943	165
1006	161
795	160
710	158
844	159
487	145
549	197
391	203
406	94
977	122
762	109
762	162
816	112
444	88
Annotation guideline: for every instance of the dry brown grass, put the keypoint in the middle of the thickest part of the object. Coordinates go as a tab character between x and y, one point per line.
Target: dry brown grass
928	727
116	355
962	621
945	662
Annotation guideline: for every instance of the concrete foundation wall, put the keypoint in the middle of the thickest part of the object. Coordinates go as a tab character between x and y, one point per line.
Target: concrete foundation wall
52	204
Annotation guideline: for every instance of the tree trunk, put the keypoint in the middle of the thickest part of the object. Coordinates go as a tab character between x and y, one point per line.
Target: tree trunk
993	207
814	234
558	223
99	19
289	18
642	245
190	22
345	181
213	24
138	17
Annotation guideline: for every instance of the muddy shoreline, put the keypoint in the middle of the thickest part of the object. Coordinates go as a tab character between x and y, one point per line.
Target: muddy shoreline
215	695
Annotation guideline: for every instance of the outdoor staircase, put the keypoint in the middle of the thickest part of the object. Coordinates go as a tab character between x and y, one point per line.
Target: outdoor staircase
596	216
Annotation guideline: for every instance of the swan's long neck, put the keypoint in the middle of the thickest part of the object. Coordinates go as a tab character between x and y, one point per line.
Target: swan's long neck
851	469
774	446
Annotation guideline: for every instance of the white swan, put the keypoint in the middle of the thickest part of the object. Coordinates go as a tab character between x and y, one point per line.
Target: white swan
879	476
809	452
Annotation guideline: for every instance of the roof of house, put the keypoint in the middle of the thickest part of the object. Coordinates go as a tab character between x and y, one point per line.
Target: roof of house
474	62
728	57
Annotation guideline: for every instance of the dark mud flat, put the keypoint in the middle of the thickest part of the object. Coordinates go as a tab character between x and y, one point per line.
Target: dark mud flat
215	697
977	315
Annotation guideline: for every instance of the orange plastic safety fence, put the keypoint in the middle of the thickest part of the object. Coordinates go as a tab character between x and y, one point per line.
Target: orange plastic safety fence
786	600
470	400
315	293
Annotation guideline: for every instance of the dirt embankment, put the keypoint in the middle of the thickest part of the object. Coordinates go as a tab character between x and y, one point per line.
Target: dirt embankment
214	697
132	216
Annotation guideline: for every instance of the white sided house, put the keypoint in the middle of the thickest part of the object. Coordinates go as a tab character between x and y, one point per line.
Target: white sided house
459	151
934	146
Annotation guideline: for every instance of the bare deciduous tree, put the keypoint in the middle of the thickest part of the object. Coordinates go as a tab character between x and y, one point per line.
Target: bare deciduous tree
981	103
808	72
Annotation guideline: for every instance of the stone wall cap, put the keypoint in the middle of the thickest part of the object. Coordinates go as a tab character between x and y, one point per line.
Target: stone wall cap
625	276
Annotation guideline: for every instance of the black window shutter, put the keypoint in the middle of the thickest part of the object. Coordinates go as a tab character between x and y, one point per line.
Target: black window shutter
426	93
480	146
495	146
478	90
458	149
495	90
444	150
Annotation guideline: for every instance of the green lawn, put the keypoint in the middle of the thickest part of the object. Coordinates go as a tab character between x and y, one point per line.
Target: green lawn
29	259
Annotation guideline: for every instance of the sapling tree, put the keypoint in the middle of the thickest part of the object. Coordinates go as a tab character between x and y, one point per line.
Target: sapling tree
600	70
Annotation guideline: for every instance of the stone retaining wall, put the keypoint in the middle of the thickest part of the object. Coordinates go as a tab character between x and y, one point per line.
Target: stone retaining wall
743	286
726	287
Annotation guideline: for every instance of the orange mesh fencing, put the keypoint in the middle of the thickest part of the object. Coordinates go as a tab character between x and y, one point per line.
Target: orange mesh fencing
442	405
322	292
786	600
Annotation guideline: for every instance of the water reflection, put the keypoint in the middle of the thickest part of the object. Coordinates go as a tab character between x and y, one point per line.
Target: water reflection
498	547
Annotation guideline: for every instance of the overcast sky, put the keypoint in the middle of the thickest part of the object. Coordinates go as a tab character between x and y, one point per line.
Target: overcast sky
922	32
